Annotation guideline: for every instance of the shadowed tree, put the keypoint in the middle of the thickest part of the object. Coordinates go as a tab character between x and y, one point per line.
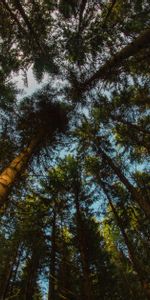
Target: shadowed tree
41	121
90	138
106	71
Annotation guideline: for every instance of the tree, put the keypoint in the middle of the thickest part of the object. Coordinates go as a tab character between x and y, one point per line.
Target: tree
109	68
90	137
42	127
74	155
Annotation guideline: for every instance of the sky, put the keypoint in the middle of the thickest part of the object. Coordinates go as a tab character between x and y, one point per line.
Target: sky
33	85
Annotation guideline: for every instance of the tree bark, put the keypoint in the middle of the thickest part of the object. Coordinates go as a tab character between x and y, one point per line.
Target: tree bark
105	71
52	275
82	248
32	274
10	174
4	289
15	271
135	193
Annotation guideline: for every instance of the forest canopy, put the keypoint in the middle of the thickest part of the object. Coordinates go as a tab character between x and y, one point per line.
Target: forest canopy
74	152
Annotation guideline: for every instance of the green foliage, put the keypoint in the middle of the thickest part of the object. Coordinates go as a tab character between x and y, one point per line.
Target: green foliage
76	225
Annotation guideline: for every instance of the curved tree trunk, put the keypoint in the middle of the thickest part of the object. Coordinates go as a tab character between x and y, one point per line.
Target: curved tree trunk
105	71
9	175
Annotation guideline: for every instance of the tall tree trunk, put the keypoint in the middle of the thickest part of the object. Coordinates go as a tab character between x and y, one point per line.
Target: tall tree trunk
10	174
136	264
105	72
64	281
32	274
4	289
135	193
15	270
125	280
52	275
82	249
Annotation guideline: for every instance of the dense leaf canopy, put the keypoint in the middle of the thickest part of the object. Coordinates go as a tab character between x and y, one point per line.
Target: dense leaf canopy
74	177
